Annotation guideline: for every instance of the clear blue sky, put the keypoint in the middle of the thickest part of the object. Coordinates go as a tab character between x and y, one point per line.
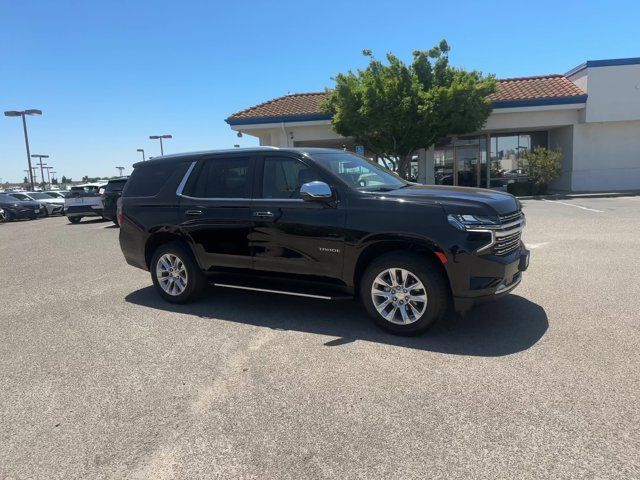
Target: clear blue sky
107	74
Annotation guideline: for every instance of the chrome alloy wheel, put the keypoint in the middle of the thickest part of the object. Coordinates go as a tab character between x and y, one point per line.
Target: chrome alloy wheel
399	296
172	274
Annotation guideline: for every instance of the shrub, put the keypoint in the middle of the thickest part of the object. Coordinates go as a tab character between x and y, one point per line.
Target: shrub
520	189
543	166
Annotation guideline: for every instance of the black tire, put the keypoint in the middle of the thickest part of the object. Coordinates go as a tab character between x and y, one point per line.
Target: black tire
74	219
46	212
8	216
431	277
196	280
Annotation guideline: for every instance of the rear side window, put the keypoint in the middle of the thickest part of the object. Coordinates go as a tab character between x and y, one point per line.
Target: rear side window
115	186
147	180
221	178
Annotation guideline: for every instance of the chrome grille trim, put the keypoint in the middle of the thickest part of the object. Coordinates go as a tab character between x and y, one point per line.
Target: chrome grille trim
507	236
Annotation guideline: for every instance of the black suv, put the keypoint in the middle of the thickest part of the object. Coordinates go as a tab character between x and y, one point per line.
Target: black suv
323	224
110	196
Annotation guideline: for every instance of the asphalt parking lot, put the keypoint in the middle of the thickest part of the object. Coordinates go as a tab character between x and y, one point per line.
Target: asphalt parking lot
101	379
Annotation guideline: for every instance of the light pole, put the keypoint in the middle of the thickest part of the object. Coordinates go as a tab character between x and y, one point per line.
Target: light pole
23	114
54	176
33	176
48	169
141	150
160	137
40	157
120	169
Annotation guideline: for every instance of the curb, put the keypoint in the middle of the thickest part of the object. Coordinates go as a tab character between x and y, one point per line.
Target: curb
558	196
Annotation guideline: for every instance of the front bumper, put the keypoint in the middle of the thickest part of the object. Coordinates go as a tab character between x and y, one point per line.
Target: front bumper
482	278
19	213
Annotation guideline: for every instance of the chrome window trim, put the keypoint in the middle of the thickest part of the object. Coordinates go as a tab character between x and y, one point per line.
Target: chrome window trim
217	199
185	179
288	200
491	242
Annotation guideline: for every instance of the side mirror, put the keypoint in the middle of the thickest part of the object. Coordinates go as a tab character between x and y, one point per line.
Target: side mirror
316	192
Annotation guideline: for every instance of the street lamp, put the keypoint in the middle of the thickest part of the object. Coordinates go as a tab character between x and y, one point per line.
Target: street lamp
40	157
141	150
32	174
160	137
23	113
48	169
120	169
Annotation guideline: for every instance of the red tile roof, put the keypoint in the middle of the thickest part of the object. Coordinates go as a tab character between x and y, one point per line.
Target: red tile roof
526	88
306	106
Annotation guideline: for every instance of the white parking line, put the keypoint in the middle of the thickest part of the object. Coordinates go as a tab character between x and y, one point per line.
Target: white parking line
533	246
572	205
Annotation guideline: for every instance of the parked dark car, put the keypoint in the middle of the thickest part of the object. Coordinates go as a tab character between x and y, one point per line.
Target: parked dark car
110	196
15	209
323	224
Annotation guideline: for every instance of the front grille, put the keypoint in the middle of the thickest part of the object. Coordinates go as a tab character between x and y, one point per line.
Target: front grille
508	234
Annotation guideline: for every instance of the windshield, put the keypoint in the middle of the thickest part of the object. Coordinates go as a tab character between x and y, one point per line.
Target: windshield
40	196
358	172
19	196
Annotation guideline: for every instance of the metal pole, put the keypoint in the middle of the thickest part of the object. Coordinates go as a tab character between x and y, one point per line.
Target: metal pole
161	149
41	172
26	142
49	176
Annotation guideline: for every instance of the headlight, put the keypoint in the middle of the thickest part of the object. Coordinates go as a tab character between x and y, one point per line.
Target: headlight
470	222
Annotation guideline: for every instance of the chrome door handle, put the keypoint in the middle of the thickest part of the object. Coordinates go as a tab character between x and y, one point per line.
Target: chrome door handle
193	212
263	214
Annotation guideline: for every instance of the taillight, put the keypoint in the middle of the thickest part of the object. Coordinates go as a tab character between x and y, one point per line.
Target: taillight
119	211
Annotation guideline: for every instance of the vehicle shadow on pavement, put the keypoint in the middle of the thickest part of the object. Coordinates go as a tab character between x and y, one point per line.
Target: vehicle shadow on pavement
503	327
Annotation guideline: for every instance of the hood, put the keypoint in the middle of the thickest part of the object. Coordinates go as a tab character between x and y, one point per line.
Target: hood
460	199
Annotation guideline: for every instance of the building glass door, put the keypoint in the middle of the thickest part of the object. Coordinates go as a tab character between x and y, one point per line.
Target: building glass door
467	159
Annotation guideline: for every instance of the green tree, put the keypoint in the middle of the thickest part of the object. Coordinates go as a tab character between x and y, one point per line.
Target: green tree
543	167
66	180
394	109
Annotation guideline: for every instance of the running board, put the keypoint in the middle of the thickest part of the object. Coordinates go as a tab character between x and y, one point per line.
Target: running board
284	292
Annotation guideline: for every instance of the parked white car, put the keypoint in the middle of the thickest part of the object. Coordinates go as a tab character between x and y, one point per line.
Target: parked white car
83	201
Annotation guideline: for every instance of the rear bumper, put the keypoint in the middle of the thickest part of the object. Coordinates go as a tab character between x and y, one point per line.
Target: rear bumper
490	278
83	211
109	214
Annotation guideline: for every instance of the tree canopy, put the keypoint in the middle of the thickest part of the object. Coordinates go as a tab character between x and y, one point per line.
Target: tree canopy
393	109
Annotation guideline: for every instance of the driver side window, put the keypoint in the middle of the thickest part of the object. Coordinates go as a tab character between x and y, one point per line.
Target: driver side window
283	177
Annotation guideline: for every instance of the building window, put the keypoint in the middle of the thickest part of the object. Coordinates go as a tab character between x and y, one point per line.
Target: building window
508	162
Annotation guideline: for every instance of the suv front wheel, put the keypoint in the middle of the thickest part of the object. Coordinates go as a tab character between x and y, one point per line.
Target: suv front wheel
404	292
175	273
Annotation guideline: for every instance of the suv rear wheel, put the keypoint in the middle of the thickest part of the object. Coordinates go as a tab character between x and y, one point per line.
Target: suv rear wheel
74	219
404	292
175	273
